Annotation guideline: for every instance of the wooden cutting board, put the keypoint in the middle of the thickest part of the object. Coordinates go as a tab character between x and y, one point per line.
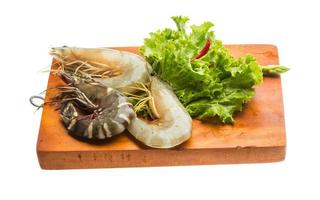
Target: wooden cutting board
258	135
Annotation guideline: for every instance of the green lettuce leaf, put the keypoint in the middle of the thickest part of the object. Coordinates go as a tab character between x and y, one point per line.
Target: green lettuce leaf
214	86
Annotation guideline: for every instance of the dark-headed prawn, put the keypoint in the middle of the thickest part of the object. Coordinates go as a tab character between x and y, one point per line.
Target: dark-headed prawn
93	111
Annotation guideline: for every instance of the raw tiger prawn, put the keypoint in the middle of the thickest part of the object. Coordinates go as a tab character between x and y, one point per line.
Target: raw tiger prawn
93	111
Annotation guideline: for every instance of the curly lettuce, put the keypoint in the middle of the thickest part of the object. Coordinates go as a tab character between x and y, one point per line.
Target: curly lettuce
215	86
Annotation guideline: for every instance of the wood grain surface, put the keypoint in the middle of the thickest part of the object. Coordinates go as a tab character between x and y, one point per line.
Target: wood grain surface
258	135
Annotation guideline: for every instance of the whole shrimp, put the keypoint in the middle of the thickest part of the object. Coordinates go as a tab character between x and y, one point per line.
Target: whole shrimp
174	124
112	68
108	111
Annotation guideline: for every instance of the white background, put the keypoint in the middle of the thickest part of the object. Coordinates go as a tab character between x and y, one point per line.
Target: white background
29	28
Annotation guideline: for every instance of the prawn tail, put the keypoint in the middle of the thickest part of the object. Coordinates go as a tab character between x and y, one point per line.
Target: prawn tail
69	115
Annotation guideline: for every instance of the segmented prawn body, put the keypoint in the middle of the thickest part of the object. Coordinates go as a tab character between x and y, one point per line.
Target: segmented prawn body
107	111
174	124
110	67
